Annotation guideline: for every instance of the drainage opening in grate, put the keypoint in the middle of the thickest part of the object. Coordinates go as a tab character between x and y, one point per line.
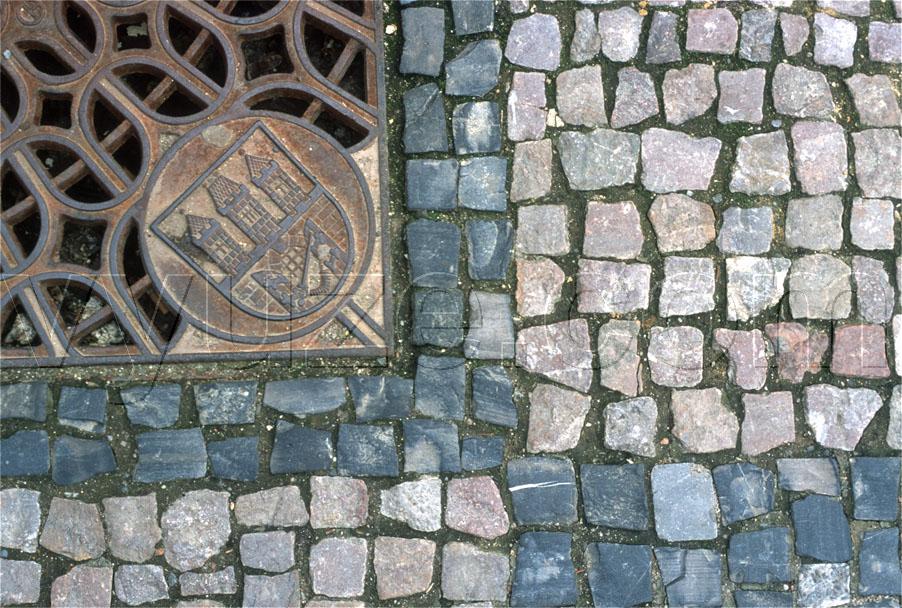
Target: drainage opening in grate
132	34
56	111
18	330
266	54
82	243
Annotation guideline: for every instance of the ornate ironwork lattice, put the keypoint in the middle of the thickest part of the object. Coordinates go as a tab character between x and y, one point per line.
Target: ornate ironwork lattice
191	180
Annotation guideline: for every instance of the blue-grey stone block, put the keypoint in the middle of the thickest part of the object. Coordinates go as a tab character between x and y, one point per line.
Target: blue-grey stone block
433	249
685	504
305	396
236	458
474	72
691	577
381	397
619	575
432	184
431	446
490	329
763	599
493	396
760	556
821	529
477	127
614	495
441	385
879	572
25	453
425	123
438	317
226	402
543	490
543	572
482	184
480	453
744	491
473	16
167	455
153	405
83	408
490	244
424	40
875	488
76	460
27	400
298	449
818	475
367	451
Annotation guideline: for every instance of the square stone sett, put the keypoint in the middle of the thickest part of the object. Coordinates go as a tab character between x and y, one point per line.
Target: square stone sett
757	34
688	287
612	287
482	183
543	490
747	354
474	506
431	446
338	566
691	577
303	396
701	422
21	582
490	244
415	503
544	574
821	529
20	519
681	223
481	453
663	45
798	349
614	495
673	161
839	416
631	426
744	491
431	184
688	92
83	408
477	127
474	72
762	165
580	96
154	405
872	224
379	397
131	526
532	170
236	458
441	387
675	356
168	455
76	460
299	449
83	585
618	356
490	334
872	290
281	506
338	502
875	100
769	422
818	475
493	396
834	41
636	98
875	488
860	351
685	505
367	451
794	29
137	585
821	162
73	529
403	566
612	230
438	317
758	599
471	574
220	582
433	250
586	43
801	92
526	111
279	591
820	288
425	122
542	230
556	419
815	223
712	31
270	551
885	42
560	351
878	155
535	42
741	96
539	284
879	571
619	30
598	159
760	556
746	230
823	585
424	40
226	402
25	453
26	400
619	575
853	8
472	16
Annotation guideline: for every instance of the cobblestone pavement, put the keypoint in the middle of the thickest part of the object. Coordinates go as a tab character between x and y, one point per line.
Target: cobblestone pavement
647	356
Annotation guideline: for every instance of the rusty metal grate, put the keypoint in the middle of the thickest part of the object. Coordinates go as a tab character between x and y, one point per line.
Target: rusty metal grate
186	180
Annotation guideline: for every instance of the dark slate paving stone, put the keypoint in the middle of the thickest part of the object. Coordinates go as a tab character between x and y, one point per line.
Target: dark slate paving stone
818	475
474	72
433	249
432	184
691	577
25	453
441	386
424	40
615	496
83	408
76	460
153	405
305	396
477	127
875	488
763	599
226	402
367	451
377	397
425	124
473	16
236	458
543	490
27	400
431	446
490	244
619	575
761	556
480	453
438	317
744	491
821	529
299	449
493	396
544	573
167	455
482	184
879	569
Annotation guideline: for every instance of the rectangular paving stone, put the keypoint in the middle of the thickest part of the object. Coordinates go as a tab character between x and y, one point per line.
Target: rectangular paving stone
379	397
614	495
305	396
82	408
167	455
226	402
544	572
27	400
367	451
299	449
619	575
543	490
25	453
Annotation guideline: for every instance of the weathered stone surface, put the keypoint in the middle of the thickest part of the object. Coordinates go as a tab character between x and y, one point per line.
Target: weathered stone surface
769	422
741	96
879	571
691	577
712	31
424	40
823	585
701	422
299	449
801	92
872	224
20	519
539	283
875	100
542	230
688	288
884	42
83	586
556	418
878	153
535	42
377	397
26	400
438	317
20	582
561	352
586	42
532	170
746	230
815	223
280	591
480	453
195	528
489	244
367	451
25	453
416	503
304	396
675	355
425	124
166	455
73	529
526	111
757	34
599	159
82	408
543	490
798	349
744	491
580	96
663	45
760	556
675	161
226	402
794	29
821	529
753	285
477	127
472	16
860	351
819	288
688	92
747	355
131	526
236	458
544	574
839	416
493	396
136	585
474	72
270	551
853	8
894	429
818	475
440	387
631	426
614	495
612	287
684	502
474	507
820	158
491	331
875	488
154	405
619	575
403	566
76	460
618	358
482	183
834	41
681	223
431	184
337	502
636	98
338	566
619	30
762	165
470	574
431	446
275	507
220	582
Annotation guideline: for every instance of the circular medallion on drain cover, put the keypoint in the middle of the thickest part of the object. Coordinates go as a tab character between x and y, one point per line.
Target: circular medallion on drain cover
258	228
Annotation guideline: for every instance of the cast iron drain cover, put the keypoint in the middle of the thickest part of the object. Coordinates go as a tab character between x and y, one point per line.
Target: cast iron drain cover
185	180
